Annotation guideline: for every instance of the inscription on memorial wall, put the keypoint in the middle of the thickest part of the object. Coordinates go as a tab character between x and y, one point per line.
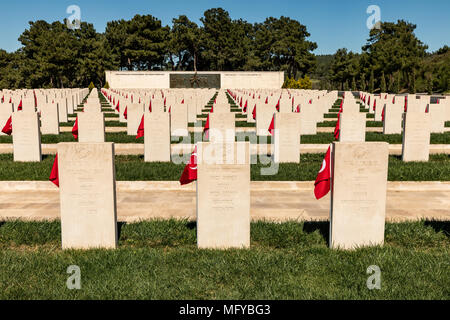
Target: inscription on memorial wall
194	80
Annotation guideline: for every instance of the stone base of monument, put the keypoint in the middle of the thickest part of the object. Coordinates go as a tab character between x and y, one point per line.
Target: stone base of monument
358	195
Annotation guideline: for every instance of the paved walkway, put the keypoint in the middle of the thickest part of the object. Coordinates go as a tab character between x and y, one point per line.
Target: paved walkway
275	201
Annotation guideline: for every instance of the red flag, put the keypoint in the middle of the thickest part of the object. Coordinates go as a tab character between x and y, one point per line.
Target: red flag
19	108
267	100
206	128
323	181
427	109
382	113
374	105
117	106
310	101
170	109
140	131
337	129
393	99
75	129
272	125
125	113
150	106
254	112
245	106
54	176
406	103
190	170
298	108
182	101
10	99
7	129
278	105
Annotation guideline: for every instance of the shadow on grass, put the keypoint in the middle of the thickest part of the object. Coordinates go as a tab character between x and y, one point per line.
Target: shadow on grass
191	225
120	225
438	226
322	226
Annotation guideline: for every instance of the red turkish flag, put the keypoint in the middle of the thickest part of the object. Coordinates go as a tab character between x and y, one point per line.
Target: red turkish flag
19	108
54	176
406	104
382	113
170	109
150	106
278	105
427	109
298	109
7	129
140	131
254	112
267	100
75	129
125	113
272	125
117	106
322	185
182	101
206	128
337	129
190	170
374	105
245	106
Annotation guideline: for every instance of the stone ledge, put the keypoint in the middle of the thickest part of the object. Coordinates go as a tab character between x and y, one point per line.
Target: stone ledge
289	186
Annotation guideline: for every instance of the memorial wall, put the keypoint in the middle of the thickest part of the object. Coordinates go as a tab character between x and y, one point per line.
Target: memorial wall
190	79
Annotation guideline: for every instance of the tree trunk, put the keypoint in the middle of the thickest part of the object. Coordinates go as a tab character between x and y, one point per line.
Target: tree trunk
195	61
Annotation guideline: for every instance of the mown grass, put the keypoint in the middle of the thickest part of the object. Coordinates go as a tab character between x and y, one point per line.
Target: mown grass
114	123
319	138
333	124
159	260
134	168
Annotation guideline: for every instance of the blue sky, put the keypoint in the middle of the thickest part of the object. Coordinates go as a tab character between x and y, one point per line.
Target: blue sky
333	24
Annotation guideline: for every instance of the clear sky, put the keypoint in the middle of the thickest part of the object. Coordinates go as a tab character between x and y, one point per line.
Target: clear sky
333	24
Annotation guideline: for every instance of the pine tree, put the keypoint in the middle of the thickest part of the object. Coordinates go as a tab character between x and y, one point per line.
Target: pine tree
354	84
383	82
371	82
363	82
398	81
430	85
413	82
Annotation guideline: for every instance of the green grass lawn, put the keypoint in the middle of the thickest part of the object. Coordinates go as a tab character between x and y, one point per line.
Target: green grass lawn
159	260
133	168
112	123
333	124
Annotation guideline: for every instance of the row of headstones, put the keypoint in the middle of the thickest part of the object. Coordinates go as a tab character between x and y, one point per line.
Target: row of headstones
88	196
389	108
193	101
416	124
33	120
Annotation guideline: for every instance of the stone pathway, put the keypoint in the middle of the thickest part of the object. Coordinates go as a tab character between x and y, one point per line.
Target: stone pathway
274	201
